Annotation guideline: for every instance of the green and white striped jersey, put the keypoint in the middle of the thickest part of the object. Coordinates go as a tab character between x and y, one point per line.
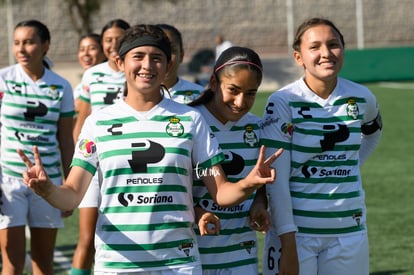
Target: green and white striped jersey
236	244
30	111
323	138
102	86
147	161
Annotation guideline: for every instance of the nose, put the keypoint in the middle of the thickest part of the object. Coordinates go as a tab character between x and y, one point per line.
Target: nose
146	63
19	47
325	51
239	100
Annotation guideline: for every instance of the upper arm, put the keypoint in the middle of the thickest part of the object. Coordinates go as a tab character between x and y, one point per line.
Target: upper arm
84	112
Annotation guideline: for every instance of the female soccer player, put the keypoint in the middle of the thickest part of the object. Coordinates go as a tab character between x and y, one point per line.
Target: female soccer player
146	146
328	126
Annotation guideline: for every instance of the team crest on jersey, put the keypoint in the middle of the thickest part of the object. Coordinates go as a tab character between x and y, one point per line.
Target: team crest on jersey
287	128
357	217
186	248
174	128
352	109
250	137
248	245
188	96
53	92
87	147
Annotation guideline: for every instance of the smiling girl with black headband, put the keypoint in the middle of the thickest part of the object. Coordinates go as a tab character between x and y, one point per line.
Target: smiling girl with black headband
147	147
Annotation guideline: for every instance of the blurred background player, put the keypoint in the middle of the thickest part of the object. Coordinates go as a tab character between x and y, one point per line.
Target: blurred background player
36	109
180	90
102	85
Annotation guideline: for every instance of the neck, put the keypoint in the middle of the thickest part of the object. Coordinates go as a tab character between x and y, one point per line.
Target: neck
320	87
113	66
34	72
170	82
143	102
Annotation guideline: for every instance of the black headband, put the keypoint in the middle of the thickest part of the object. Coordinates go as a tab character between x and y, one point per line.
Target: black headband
146	40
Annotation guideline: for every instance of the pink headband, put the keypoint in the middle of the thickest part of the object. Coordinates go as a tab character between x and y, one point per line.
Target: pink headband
238	62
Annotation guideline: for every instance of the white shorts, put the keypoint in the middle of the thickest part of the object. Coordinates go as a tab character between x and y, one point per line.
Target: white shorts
252	269
91	197
19	206
322	255
188	270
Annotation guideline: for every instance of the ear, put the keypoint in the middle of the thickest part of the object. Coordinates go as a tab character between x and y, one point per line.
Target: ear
169	66
120	63
45	47
182	56
297	56
213	83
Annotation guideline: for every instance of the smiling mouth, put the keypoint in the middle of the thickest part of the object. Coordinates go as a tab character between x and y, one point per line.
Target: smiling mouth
146	76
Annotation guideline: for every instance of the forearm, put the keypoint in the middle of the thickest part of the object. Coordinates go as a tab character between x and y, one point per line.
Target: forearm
62	197
66	145
231	194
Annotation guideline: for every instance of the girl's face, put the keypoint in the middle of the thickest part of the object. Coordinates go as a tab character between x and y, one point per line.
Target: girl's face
234	95
110	42
176	56
28	48
321	53
145	68
89	53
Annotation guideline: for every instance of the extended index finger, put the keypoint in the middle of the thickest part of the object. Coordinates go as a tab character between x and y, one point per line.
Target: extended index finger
27	161
274	156
37	159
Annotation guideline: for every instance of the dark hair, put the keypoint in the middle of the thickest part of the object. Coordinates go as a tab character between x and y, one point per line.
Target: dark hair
175	32
94	36
307	24
145	34
232	59
41	29
118	23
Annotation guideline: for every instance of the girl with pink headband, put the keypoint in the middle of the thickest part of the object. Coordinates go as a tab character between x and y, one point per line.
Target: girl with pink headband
147	146
227	241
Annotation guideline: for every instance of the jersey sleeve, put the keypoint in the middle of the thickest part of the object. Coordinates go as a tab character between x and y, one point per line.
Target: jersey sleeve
276	132
206	151
85	155
68	108
85	83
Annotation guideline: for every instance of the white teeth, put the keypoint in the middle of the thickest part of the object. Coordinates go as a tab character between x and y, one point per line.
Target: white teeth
149	76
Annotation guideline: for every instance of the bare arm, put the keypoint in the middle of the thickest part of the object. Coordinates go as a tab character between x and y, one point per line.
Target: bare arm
227	194
259	217
289	263
66	146
84	112
64	197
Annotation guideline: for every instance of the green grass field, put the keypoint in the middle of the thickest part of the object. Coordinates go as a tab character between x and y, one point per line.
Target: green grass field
388	182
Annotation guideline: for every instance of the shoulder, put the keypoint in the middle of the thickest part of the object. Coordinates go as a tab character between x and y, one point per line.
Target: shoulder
185	84
101	67
8	70
57	78
287	92
356	89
